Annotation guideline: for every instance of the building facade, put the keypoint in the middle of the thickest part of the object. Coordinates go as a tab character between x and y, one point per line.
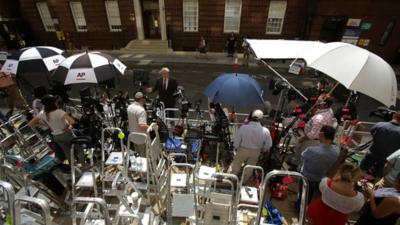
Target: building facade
111	24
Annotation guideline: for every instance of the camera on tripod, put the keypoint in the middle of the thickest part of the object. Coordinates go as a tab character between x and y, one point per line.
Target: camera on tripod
89	103
184	104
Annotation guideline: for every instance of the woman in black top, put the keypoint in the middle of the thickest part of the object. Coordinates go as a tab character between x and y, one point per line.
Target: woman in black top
384	206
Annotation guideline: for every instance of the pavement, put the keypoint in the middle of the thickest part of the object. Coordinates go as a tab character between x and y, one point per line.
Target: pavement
212	58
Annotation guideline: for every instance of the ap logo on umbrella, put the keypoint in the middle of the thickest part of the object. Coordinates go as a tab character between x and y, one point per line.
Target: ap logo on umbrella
81	76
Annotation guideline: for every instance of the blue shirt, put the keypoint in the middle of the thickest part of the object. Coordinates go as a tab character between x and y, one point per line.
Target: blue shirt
317	160
386	139
253	136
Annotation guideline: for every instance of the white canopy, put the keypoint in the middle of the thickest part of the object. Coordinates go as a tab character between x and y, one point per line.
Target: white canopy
356	68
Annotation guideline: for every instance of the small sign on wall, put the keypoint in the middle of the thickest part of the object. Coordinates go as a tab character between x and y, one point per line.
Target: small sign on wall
366	26
363	42
351	22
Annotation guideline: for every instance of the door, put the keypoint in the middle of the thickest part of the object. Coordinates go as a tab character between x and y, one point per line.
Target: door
332	29
151	21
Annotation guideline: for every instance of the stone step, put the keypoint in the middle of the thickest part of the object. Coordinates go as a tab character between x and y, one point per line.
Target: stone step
147	46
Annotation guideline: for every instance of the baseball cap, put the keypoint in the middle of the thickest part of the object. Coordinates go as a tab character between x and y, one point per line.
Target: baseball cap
139	95
164	69
257	114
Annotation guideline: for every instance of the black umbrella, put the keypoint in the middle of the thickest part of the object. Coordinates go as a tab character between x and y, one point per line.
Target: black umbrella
34	59
88	67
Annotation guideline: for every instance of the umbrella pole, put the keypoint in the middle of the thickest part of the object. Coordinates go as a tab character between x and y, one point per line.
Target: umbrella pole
284	79
307	113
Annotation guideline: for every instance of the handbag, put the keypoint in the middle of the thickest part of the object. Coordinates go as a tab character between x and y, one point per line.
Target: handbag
6	80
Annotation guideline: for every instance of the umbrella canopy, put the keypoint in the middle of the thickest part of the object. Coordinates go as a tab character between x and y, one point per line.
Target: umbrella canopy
88	67
356	68
235	89
34	59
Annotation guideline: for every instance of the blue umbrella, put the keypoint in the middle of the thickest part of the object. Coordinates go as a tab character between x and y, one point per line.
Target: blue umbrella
235	89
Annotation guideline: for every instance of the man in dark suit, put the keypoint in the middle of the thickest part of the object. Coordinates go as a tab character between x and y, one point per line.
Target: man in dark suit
166	86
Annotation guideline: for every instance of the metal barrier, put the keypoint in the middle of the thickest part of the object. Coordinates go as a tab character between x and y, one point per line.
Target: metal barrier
43	205
304	193
90	202
9	191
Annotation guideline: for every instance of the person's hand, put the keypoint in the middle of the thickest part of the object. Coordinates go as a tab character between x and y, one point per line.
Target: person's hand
368	192
302	139
149	90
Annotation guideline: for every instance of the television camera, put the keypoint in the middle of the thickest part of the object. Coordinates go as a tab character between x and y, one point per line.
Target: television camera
184	104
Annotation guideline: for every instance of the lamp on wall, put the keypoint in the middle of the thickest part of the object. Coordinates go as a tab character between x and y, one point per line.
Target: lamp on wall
132	16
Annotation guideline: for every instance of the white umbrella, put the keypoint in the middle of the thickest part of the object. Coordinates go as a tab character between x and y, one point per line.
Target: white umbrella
356	68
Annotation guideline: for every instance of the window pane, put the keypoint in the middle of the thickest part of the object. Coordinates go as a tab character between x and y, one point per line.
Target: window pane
190	15
276	15
79	16
45	16
232	15
113	16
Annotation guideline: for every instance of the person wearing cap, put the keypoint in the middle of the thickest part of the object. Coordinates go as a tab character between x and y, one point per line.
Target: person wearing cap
250	140
385	141
166	86
137	120
323	116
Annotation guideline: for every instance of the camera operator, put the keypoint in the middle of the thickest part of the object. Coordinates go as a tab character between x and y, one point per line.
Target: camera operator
250	140
166	86
137	120
385	136
323	116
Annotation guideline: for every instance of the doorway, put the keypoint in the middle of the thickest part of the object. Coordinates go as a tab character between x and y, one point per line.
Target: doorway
332	28
151	19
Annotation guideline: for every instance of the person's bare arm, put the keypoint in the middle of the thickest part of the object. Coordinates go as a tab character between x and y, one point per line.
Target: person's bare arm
388	167
143	127
34	122
70	120
385	208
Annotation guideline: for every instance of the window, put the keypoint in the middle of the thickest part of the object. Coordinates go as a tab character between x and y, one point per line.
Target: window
114	20
276	14
233	10
79	16
44	12
190	15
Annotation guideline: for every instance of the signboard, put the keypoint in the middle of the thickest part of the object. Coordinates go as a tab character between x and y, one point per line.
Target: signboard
350	40
296	68
363	42
60	35
352	32
351	22
366	26
3	56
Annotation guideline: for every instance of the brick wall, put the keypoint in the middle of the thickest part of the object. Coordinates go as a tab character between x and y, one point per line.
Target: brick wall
211	23
379	13
98	35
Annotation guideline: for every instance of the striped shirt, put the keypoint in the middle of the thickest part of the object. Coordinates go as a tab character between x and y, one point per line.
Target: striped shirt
321	118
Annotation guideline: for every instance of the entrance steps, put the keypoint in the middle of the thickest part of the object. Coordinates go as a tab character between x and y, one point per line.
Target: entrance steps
147	46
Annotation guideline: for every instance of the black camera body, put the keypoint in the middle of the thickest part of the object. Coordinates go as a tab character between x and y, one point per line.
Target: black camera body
184	104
